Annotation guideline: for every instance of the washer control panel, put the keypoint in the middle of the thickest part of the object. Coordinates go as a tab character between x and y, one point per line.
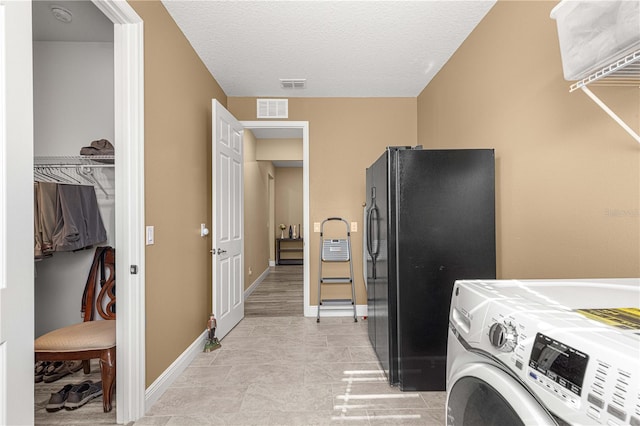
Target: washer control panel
558	367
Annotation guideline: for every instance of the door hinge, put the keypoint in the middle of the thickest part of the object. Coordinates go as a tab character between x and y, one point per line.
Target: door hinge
133	269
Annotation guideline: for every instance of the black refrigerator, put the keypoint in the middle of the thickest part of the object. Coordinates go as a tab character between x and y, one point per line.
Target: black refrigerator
430	220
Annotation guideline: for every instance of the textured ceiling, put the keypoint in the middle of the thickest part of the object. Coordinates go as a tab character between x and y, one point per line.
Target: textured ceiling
342	48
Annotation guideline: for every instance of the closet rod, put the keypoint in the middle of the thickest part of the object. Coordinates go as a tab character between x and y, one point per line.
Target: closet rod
75	160
83	166
74	166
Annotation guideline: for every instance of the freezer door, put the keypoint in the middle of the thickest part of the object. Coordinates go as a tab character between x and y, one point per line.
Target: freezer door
369	257
381	331
446	231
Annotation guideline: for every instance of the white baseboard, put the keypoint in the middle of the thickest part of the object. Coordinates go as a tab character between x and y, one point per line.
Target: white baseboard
272	262
256	283
361	311
162	383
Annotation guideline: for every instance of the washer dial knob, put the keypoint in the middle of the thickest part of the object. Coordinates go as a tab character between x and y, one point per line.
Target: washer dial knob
503	336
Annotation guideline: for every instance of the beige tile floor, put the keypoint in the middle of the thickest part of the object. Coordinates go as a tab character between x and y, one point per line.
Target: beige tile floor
292	371
274	370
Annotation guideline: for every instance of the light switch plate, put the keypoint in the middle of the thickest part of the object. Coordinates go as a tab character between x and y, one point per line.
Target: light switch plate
354	226
150	235
316	226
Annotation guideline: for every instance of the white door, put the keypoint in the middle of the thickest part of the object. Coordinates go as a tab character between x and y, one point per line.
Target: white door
228	214
16	214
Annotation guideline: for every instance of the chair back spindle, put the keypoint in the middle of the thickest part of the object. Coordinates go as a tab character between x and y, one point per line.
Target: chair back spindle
100	290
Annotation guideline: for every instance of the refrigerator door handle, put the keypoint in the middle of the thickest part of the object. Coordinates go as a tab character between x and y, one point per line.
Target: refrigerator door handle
369	231
369	236
375	234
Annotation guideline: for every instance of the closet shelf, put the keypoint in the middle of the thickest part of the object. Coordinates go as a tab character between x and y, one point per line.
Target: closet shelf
72	161
72	169
622	72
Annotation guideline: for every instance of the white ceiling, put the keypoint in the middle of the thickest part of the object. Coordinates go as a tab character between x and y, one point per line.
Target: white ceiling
87	22
342	48
360	48
283	133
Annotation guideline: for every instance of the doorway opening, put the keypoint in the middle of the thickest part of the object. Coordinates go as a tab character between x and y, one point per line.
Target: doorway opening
292	129
127	179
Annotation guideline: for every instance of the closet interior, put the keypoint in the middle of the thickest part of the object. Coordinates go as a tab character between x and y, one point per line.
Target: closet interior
73	90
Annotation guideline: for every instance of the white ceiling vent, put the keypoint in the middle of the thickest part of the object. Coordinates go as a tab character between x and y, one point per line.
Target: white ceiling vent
293	83
273	108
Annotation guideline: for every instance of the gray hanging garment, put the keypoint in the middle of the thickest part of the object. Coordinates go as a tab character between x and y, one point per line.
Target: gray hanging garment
80	224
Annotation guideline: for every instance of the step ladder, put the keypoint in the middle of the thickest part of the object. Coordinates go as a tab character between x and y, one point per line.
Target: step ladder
332	251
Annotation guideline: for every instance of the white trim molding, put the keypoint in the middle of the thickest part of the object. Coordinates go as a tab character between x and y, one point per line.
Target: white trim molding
16	193
177	367
129	177
361	312
256	283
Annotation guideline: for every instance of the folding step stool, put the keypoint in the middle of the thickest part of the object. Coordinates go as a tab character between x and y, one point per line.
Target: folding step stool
335	250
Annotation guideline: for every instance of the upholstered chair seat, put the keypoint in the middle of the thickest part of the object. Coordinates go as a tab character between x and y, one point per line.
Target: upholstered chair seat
91	339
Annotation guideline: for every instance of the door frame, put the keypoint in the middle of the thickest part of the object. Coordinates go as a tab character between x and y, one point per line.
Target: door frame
129	203
304	126
129	176
16	214
271	232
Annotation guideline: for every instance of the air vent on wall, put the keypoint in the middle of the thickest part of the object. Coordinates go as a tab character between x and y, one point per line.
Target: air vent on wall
273	108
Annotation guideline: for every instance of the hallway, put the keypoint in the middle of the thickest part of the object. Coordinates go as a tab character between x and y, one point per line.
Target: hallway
279	294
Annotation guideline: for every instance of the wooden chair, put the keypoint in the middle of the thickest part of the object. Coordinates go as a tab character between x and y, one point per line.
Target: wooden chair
90	339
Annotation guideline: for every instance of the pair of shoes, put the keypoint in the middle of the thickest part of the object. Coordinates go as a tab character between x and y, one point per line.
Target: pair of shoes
74	396
57	400
59	369
80	395
39	370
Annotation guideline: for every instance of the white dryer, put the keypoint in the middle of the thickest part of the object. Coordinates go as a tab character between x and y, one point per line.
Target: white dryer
552	352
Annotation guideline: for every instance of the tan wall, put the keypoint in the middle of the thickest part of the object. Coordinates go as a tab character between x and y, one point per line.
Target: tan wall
178	92
279	149
256	211
289	201
345	136
568	178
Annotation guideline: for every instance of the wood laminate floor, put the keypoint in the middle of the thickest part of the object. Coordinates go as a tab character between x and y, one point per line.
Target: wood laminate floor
279	294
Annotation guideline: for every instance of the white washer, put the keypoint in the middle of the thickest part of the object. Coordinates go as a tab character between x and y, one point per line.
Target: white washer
538	352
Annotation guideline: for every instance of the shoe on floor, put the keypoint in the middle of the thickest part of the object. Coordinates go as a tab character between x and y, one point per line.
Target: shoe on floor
59	369
39	370
80	395
58	399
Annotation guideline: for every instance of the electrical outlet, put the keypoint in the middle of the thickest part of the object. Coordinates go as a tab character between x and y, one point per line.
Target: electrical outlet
316	226
354	226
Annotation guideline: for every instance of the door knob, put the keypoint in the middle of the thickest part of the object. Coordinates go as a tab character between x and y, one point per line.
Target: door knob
221	251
